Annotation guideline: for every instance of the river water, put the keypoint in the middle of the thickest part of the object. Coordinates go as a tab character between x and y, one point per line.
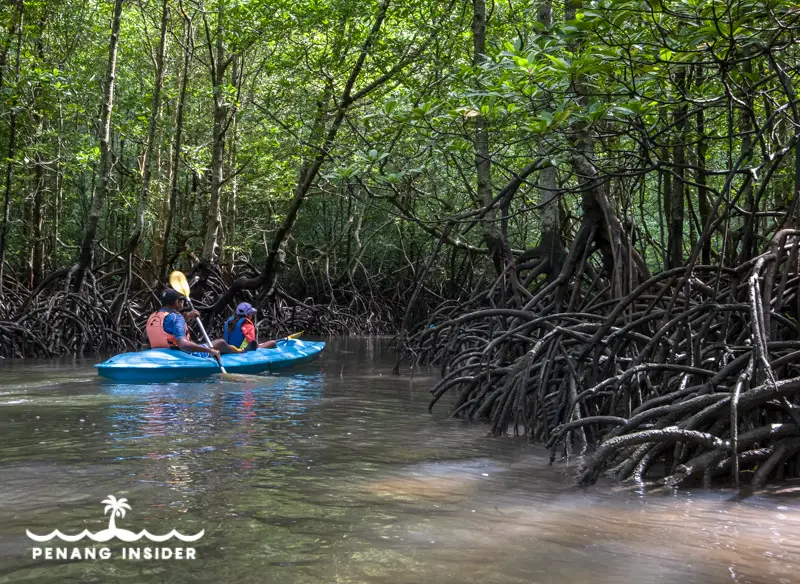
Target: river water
335	472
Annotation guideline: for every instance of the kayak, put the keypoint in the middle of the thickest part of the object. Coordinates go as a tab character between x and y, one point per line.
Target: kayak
164	365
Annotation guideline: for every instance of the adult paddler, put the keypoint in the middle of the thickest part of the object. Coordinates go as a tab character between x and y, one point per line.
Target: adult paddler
167	328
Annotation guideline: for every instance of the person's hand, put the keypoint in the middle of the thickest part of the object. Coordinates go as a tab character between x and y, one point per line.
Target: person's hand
214	352
192	314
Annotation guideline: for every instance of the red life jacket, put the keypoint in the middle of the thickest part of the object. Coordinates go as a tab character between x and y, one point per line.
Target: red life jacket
158	338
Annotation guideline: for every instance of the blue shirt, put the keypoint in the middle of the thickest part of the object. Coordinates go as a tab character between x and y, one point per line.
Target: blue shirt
174	324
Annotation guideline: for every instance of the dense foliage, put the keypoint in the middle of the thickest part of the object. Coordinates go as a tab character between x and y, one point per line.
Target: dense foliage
690	106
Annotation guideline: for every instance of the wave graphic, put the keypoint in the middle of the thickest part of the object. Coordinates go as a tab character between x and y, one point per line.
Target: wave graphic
121	534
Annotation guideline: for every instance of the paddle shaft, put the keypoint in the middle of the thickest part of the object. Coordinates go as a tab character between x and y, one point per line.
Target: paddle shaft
205	337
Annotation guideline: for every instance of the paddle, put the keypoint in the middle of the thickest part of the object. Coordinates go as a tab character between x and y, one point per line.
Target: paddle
291	337
178	281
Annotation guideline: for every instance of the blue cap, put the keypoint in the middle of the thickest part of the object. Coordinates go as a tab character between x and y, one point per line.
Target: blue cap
244	309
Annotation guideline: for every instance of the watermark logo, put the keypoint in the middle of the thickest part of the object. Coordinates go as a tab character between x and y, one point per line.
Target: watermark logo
117	507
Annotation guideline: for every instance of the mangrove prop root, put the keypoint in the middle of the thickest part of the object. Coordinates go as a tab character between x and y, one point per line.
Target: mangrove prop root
108	314
694	374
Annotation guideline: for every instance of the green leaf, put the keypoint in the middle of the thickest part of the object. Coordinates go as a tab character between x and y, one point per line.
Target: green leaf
560	63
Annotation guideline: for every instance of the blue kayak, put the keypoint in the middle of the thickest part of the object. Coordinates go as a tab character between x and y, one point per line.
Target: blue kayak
164	365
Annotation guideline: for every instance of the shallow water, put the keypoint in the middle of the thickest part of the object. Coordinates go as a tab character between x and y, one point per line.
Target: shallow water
335	472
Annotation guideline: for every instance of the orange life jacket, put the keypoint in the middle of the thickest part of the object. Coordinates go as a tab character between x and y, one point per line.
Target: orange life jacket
158	338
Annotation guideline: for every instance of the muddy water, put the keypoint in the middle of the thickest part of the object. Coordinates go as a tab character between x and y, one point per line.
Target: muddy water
335	472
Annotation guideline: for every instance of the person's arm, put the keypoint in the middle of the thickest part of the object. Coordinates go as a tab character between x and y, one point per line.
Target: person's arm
190	347
184	344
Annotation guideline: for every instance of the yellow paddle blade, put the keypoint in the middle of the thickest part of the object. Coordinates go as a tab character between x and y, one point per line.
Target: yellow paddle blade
178	281
295	335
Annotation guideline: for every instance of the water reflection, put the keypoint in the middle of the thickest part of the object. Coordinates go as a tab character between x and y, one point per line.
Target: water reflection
335	472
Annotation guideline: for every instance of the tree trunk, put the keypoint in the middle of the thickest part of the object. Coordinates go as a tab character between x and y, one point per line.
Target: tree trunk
25	254
666	196
37	211
749	229
37	238
483	162
702	190
12	147
551	245
160	252
219	64
90	233
227	257
59	195
4	52
676	196
144	192
622	265
229	223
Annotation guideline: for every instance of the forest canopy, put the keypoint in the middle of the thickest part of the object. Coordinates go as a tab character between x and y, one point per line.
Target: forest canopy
376	110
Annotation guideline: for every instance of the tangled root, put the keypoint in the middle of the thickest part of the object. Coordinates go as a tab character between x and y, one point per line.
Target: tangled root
695	374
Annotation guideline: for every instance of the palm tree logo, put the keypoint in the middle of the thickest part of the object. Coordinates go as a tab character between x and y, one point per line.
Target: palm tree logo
117	508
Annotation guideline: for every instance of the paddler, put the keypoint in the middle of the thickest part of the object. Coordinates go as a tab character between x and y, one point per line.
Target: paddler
240	330
167	328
